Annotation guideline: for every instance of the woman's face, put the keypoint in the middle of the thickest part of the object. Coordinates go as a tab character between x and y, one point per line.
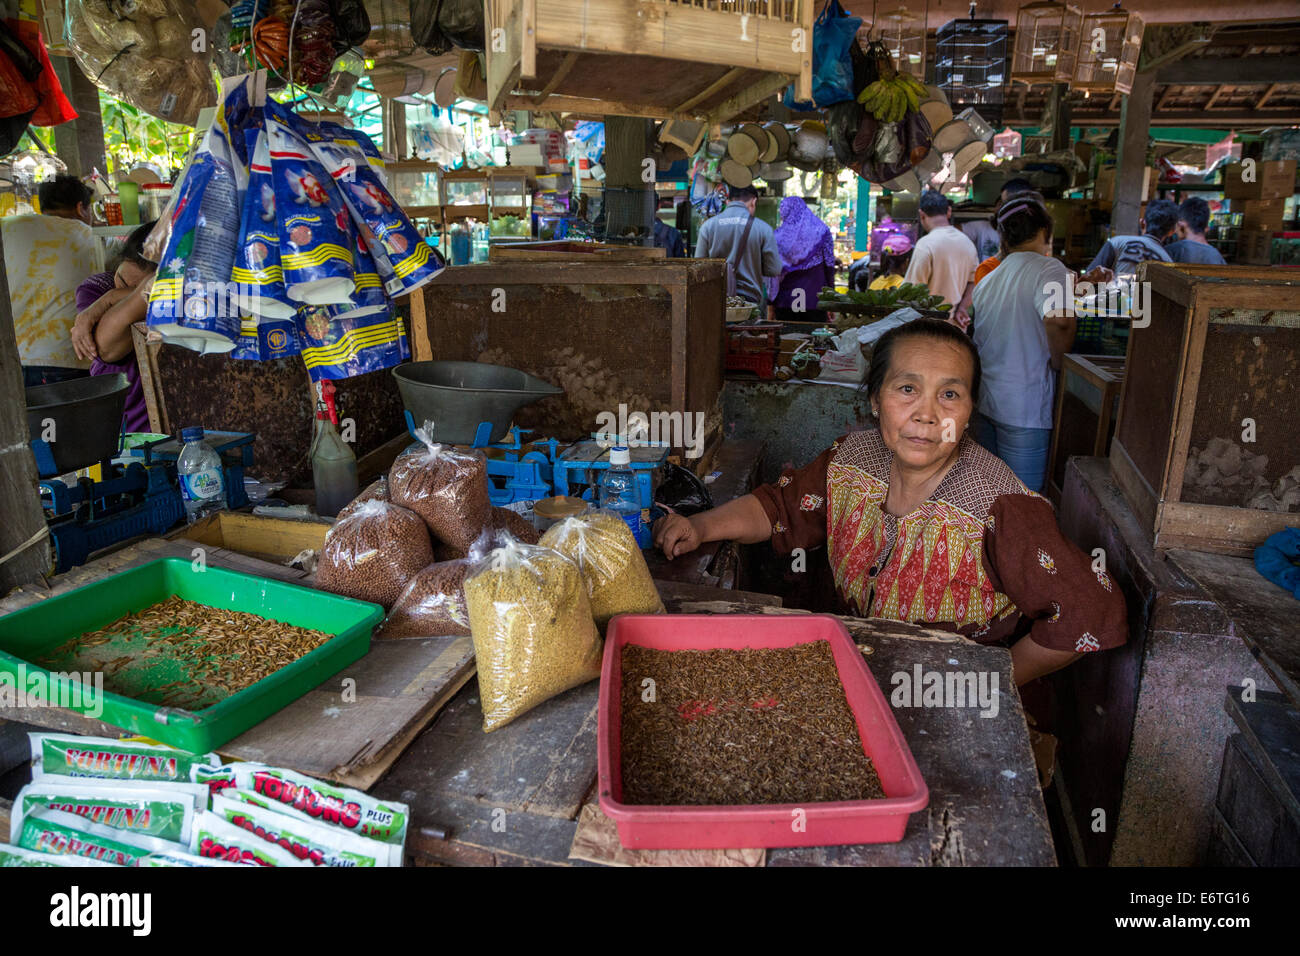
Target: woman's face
925	402
129	275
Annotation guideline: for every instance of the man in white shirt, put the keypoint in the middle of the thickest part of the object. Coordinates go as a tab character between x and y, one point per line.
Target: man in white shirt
46	258
944	259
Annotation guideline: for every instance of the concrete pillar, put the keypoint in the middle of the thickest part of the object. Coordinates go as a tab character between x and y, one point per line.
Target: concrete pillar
79	143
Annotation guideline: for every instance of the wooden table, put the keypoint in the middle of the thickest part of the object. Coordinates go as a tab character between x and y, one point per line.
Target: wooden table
512	797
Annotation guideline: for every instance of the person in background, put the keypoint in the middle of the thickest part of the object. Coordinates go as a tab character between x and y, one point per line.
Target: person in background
1190	244
46	256
1120	255
984	235
944	260
921	524
895	257
745	241
807	263
1012	188
108	304
667	237
1021	340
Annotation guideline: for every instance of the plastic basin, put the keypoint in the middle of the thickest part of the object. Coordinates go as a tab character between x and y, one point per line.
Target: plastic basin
645	827
87	417
457	396
34	631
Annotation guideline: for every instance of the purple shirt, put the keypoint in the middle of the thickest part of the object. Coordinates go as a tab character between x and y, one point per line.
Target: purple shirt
135	415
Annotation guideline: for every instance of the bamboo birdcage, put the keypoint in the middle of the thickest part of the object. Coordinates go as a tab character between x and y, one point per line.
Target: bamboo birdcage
1047	43
903	33
1109	44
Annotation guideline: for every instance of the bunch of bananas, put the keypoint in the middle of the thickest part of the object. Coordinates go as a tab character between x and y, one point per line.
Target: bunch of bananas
889	100
912	294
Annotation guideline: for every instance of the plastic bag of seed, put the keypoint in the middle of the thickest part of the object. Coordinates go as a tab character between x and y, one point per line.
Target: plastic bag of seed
602	545
446	487
432	605
533	633
374	552
377	490
503	519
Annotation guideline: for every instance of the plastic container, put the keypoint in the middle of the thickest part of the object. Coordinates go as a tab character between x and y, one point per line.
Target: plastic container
34	631
333	463
457	397
551	511
762	825
203	482
618	492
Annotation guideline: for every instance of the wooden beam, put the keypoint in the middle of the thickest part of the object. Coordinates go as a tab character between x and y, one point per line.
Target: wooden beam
1222	118
1165	94
1272	88
1233	70
24	539
763	89
592	107
563	70
1214	97
1135	127
721	83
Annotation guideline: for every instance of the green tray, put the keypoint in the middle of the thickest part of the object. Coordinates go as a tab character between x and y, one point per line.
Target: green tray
35	631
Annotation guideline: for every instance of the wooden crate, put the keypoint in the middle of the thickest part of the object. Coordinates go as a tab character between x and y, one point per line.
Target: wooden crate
1087	398
270	539
651	328
560	250
1222	347
630	57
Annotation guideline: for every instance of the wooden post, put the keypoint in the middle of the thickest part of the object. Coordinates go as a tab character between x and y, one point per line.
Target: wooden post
1059	104
394	120
80	143
1130	167
627	146
21	518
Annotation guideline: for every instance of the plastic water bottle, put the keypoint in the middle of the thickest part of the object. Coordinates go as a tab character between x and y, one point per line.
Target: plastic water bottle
203	482
618	493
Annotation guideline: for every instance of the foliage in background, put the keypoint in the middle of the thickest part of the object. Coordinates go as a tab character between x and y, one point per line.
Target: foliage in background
132	136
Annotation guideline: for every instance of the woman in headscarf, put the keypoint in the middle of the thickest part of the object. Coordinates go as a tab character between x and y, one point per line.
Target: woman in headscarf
807	263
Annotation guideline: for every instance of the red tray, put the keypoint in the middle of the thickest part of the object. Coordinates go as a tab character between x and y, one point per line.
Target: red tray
643	827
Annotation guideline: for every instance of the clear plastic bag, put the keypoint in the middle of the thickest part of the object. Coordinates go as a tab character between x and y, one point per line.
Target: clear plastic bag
432	605
143	53
377	490
612	565
503	519
373	553
534	636
446	487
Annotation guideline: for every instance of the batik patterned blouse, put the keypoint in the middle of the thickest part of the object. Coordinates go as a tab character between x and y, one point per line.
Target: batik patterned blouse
982	556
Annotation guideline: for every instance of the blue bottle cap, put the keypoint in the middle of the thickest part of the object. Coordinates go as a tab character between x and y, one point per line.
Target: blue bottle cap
191	434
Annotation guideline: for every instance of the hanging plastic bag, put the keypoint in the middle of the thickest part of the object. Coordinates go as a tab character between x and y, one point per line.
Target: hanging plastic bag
398	248
534	636
257	270
439	25
142	52
834	33
337	342
315	229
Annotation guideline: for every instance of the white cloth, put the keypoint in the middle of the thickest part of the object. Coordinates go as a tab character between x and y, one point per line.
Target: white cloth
46	258
1007	312
944	260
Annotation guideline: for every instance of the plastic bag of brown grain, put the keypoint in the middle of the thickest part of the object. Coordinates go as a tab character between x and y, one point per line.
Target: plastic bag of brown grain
377	490
433	604
504	519
446	487
533	632
604	548
373	553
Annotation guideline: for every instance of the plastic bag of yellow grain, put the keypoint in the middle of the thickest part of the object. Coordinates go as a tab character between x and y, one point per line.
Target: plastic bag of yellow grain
530	619
606	552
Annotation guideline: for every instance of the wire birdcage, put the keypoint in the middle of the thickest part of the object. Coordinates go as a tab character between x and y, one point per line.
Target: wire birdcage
1109	44
970	65
1047	43
903	33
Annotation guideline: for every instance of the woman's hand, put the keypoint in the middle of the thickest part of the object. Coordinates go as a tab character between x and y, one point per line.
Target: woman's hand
676	535
83	336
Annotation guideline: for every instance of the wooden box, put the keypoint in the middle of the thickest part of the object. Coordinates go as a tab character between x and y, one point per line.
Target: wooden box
608	332
1254	247
1218	366
1087	401
665	59
271	539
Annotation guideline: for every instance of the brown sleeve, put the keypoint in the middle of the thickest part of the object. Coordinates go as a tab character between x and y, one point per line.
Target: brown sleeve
1050	580
796	505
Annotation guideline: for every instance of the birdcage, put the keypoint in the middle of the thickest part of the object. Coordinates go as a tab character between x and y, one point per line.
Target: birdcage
1109	44
970	65
1047	43
903	33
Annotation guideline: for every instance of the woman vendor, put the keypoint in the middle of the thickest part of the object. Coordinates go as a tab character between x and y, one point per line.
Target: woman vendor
924	525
